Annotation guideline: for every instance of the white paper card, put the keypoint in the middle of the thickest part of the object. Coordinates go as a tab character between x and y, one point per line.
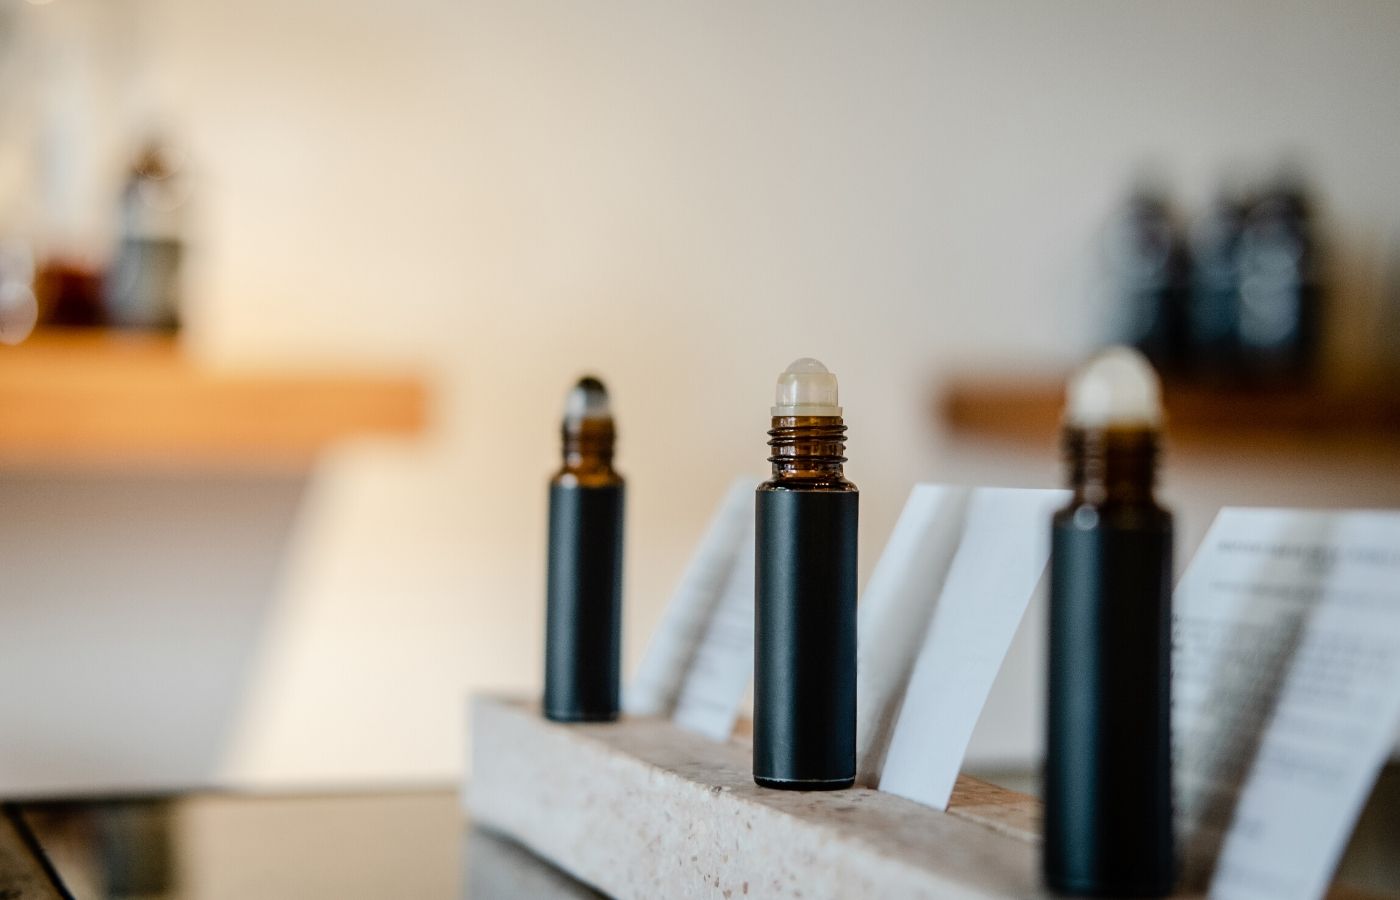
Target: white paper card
1000	562
1287	693
716	684
895	611
657	685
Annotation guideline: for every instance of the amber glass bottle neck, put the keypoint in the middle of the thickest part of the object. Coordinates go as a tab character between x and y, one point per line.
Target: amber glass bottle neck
808	449
588	445
1112	465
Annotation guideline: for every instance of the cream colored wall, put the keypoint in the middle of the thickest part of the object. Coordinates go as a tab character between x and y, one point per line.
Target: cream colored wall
682	198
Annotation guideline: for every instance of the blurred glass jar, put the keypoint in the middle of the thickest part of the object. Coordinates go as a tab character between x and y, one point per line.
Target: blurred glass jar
1146	263
142	288
1214	319
1280	298
18	308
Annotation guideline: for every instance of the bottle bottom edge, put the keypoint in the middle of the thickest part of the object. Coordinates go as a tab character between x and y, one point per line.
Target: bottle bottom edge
580	717
805	784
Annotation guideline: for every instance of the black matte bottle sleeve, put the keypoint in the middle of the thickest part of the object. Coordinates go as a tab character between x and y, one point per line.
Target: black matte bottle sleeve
1108	807
805	639
583	629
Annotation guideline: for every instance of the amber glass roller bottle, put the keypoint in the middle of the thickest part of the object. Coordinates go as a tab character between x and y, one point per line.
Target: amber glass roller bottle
1108	799
805	593
583	621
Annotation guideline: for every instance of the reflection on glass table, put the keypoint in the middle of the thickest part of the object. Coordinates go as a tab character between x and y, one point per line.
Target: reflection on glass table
208	846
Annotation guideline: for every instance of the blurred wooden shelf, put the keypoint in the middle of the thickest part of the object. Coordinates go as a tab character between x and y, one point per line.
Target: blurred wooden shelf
1027	411
108	400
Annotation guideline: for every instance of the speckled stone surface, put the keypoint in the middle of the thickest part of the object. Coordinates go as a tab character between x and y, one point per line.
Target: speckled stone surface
642	809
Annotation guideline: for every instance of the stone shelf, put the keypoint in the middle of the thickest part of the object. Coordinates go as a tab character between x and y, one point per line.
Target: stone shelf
641	808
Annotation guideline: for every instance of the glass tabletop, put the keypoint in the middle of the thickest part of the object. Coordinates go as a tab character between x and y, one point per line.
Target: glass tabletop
211	845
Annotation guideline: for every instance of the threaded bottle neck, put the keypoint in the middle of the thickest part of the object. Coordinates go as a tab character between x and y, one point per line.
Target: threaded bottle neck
807	448
1112	465
588	445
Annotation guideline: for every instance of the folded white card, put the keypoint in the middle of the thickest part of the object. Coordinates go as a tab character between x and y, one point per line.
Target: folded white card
671	654
1000	560
895	611
716	684
1287	694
